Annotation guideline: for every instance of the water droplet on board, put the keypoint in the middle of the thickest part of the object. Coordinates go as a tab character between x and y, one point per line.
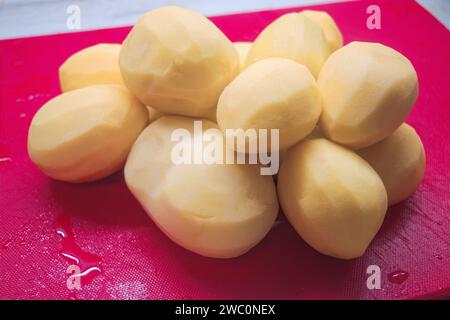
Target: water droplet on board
277	223
90	264
6	245
72	296
398	277
5	159
22	115
33	96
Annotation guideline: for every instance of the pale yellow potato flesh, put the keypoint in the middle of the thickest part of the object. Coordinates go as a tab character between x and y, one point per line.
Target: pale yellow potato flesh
331	31
368	90
85	134
213	210
98	64
315	134
242	49
153	114
400	162
293	36
274	93
332	197
178	61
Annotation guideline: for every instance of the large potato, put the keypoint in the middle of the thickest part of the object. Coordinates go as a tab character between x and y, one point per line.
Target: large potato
329	27
85	134
368	90
178	61
214	210
273	93
292	36
400	162
315	134
98	64
332	197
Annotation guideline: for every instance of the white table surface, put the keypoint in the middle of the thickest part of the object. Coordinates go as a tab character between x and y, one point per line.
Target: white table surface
19	18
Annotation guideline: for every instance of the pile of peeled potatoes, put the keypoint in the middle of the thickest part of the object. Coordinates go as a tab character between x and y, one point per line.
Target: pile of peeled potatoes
345	152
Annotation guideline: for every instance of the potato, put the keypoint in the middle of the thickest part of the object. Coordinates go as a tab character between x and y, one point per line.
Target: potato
368	90
400	162
333	198
242	49
329	27
177	61
214	210
292	36
315	134
273	93
153	114
85	134
98	64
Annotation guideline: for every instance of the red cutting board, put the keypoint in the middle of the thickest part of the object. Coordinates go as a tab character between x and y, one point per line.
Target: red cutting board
48	225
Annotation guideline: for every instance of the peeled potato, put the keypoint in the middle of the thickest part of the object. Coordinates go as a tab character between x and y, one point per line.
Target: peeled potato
332	197
214	210
177	61
329	27
292	36
274	93
98	64
368	90
400	162
315	134
85	134
242	49
153	114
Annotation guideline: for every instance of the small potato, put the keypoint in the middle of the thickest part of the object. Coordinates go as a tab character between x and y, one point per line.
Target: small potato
274	93
98	64
178	62
400	162
242	49
85	134
214	210
153	114
368	90
292	36
332	197
329	27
